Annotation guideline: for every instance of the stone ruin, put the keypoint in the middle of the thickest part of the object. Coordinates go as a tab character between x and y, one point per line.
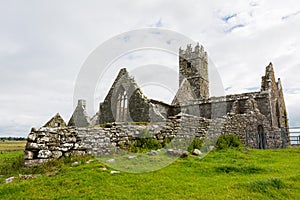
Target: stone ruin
258	118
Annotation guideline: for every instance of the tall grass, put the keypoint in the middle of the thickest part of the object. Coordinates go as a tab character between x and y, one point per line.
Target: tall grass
12	164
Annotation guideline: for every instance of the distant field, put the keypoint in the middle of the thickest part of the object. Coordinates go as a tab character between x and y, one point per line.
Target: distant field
12	145
227	174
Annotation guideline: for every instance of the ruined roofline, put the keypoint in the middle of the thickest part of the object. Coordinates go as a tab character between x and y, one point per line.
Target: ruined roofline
226	98
268	78
56	121
122	74
158	102
266	87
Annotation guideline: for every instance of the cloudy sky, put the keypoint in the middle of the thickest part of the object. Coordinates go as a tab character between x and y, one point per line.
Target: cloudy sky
43	45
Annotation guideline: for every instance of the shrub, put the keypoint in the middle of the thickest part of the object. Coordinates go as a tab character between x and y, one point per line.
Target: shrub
144	142
196	144
228	141
167	141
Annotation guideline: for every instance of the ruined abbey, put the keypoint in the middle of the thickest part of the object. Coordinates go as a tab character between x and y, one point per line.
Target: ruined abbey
258	118
125	101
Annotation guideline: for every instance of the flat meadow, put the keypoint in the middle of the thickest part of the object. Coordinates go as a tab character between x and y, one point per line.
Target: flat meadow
222	174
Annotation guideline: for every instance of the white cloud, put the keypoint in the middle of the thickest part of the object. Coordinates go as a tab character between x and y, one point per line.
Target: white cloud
43	45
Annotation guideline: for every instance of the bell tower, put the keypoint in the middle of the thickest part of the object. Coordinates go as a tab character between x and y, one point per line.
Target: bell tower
193	66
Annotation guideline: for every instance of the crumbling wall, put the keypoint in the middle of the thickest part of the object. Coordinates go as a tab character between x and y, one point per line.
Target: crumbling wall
216	107
51	143
47	143
80	117
138	107
277	108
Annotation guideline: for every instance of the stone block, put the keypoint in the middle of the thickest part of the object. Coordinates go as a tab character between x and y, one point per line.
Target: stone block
78	153
35	162
56	154
44	154
32	137
71	139
32	146
28	155
44	139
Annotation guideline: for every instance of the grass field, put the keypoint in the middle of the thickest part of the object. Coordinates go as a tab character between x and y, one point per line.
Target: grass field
12	145
228	174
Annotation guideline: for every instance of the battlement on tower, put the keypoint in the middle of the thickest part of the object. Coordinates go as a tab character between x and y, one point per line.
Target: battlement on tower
190	53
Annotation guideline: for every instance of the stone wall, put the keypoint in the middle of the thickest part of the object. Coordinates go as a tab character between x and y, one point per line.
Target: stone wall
48	143
52	143
215	107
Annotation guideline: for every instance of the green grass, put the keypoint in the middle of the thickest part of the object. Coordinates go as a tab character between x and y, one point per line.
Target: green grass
226	174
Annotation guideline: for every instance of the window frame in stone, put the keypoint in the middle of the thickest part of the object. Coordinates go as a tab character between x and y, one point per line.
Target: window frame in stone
122	106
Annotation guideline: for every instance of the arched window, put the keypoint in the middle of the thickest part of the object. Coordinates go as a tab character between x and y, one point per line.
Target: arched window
122	104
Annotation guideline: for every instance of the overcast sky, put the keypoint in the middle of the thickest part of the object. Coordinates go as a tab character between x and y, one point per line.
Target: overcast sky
43	45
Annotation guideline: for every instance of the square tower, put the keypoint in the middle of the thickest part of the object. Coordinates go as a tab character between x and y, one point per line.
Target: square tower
193	66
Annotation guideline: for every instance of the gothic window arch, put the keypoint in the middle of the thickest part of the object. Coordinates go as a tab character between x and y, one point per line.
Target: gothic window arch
122	106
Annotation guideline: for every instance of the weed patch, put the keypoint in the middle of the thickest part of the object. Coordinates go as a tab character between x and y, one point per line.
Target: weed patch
11	164
228	141
144	143
244	169
269	186
196	144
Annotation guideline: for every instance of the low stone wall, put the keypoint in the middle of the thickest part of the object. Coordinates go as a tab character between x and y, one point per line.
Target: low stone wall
46	143
52	143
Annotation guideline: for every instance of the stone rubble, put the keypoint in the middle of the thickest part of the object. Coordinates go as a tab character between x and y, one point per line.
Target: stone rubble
10	179
26	177
114	172
197	152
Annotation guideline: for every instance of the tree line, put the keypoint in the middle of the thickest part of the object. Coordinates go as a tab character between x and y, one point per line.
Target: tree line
13	138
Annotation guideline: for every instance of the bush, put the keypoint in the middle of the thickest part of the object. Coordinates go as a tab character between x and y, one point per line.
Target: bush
228	141
167	141
144	142
196	144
